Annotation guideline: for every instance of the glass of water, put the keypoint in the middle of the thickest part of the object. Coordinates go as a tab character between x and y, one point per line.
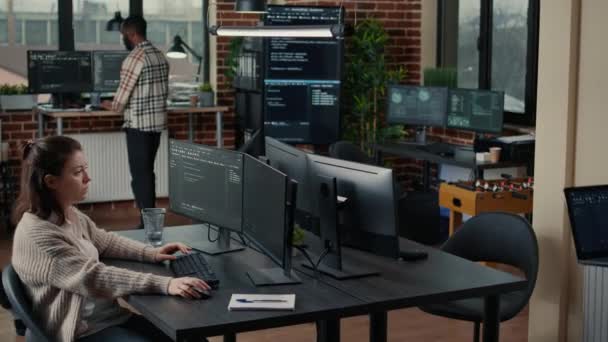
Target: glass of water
154	221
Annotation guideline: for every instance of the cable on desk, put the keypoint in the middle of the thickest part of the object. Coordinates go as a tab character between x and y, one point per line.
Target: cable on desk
209	234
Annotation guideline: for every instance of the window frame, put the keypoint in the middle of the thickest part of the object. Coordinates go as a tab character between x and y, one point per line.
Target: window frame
484	47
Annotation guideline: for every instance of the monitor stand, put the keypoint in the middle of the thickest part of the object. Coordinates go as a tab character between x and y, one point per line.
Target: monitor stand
333	264
221	246
284	275
421	135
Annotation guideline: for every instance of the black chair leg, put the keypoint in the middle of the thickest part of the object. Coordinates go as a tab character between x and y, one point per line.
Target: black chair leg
476	332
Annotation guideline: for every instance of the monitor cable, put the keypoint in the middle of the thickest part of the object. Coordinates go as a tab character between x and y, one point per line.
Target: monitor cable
209	234
315	266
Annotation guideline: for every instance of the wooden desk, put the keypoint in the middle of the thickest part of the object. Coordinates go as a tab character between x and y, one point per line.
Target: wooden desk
460	200
60	115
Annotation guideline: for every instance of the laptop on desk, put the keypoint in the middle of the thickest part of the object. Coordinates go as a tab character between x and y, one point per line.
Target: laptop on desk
588	212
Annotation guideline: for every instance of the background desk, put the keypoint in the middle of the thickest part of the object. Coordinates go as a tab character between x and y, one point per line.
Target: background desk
60	115
441	278
412	151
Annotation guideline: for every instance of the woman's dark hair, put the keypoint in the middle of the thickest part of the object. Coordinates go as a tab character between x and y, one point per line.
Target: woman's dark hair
43	157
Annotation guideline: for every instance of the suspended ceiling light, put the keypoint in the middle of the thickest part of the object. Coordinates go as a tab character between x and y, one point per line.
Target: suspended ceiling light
114	23
307	31
250	6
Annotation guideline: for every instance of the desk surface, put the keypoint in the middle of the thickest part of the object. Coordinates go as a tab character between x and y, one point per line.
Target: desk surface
102	113
412	151
440	278
180	318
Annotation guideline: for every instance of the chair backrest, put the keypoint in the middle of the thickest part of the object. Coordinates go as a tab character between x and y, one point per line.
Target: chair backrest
346	150
499	237
21	306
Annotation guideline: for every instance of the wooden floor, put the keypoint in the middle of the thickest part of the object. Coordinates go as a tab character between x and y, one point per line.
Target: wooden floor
407	325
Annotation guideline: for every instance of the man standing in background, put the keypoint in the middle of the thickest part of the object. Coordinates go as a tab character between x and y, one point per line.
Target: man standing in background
142	98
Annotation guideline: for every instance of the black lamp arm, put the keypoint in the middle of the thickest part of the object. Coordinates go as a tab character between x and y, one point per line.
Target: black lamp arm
192	52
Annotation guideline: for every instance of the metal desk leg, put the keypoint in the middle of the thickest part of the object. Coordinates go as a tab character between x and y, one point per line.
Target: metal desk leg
328	331
426	175
219	137
59	126
491	321
40	124
190	127
378	322
230	338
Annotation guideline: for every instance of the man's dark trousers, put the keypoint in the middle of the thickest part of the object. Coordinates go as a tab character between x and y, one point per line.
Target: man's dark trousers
141	149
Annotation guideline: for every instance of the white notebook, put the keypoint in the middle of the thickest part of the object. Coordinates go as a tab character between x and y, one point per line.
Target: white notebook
262	302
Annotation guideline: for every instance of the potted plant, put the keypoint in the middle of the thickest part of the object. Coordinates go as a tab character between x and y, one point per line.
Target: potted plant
15	97
367	76
297	238
205	95
441	77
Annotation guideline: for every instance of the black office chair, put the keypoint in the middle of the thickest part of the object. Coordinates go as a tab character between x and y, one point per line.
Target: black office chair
494	237
21	305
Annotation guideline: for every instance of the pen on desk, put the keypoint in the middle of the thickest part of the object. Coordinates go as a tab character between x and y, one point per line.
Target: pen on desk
244	300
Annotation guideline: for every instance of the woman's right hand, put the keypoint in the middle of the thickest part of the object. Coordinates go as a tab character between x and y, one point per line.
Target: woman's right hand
186	287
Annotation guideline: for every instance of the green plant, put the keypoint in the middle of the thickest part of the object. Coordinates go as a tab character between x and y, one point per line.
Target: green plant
8	89
441	77
367	76
232	62
205	88
297	236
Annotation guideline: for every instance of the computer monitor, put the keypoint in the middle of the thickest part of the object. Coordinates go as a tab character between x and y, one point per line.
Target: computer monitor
205	184
106	69
417	105
476	110
368	217
59	71
292	162
267	219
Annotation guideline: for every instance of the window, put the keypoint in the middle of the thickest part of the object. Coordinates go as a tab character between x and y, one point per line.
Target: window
90	17
494	45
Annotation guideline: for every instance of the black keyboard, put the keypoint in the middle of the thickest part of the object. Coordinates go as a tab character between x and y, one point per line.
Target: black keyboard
195	265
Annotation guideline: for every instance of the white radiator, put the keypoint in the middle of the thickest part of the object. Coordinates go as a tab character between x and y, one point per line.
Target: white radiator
109	167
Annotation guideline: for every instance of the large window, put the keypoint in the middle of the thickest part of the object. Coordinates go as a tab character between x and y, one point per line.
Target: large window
494	45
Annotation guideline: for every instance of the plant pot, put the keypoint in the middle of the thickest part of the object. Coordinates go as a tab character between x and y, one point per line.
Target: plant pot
17	102
205	99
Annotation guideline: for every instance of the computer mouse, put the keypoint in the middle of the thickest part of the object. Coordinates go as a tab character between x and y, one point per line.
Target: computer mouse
205	294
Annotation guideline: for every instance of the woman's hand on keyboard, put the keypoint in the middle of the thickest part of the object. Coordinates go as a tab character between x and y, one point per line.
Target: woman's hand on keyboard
166	252
186	287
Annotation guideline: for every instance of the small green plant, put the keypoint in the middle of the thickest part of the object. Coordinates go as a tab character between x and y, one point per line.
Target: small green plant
8	89
298	235
205	87
232	61
441	77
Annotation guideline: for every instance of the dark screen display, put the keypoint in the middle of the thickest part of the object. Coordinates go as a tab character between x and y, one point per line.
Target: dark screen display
106	69
415	105
59	71
205	183
588	210
303	78
264	198
475	110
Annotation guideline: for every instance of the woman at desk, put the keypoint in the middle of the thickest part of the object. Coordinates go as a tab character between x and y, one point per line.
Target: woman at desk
56	251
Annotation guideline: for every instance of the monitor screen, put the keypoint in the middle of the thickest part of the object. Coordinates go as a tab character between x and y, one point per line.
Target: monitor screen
264	211
205	184
293	163
476	110
369	215
417	105
106	70
588	212
303	78
59	71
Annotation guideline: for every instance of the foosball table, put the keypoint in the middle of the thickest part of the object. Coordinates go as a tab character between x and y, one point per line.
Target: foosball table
507	195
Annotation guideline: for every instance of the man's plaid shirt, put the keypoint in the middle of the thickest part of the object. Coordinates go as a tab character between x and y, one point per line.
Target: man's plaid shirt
143	89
